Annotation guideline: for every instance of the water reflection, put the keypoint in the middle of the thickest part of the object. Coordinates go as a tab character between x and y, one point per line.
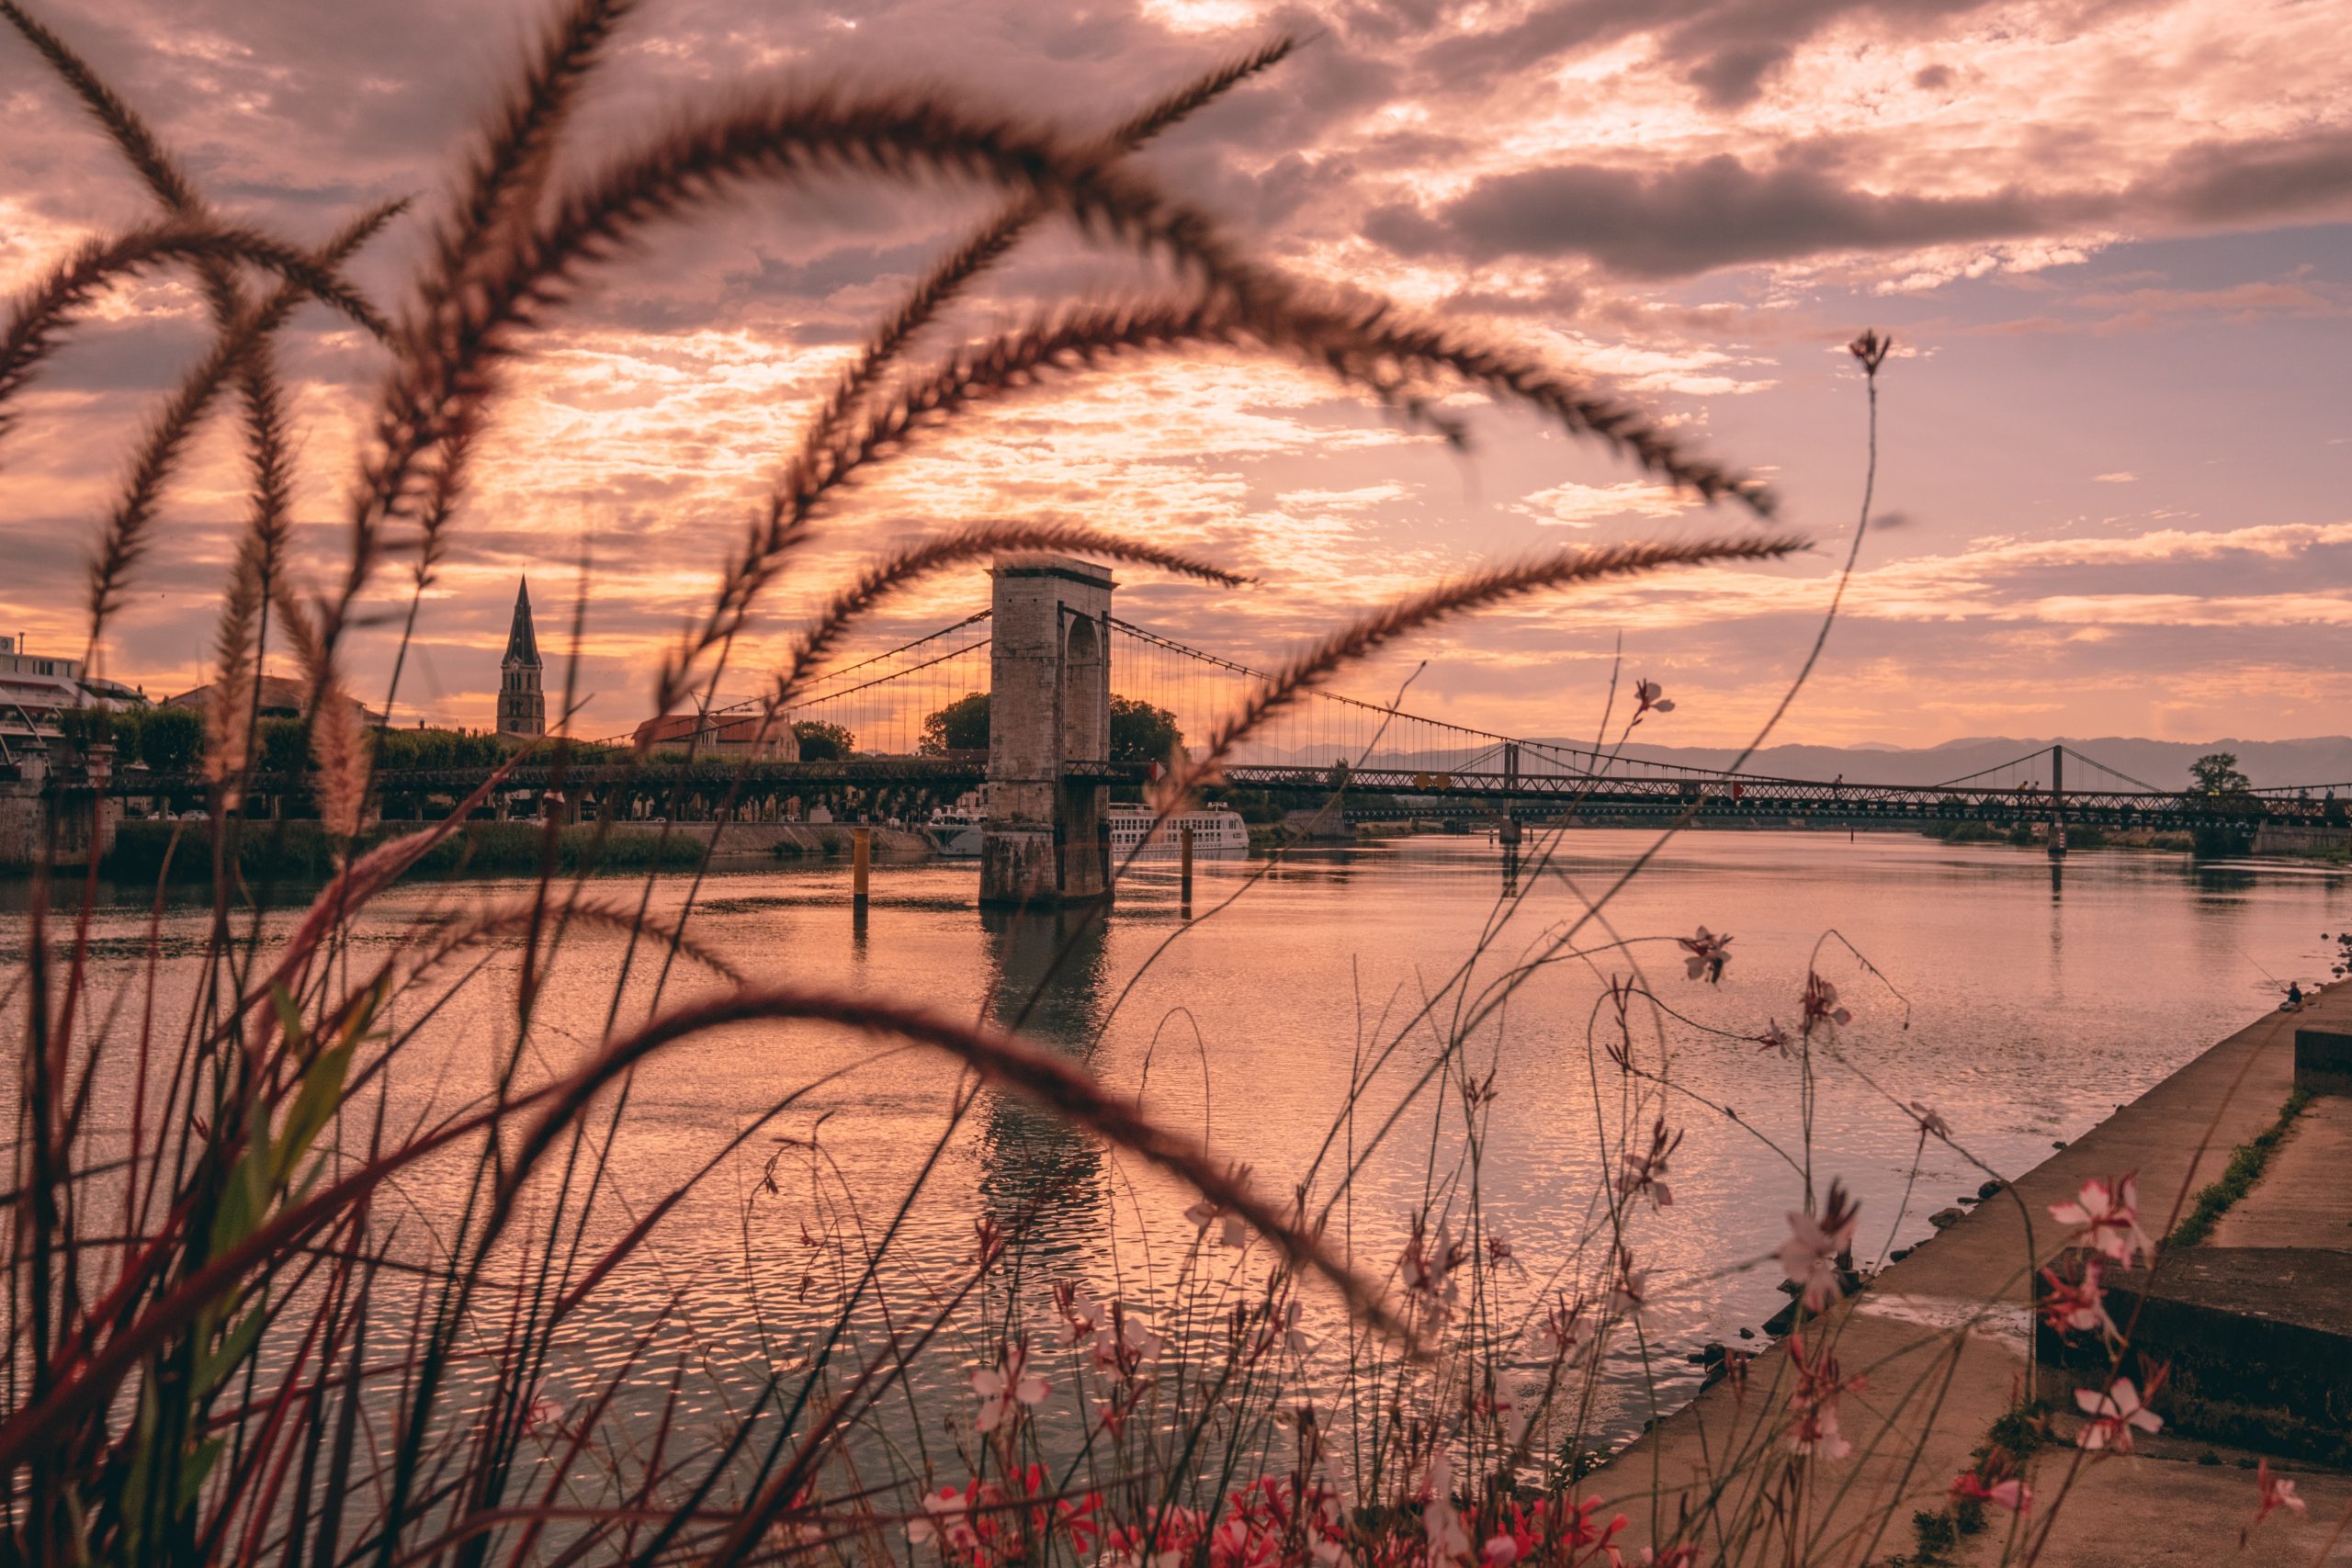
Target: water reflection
1039	1177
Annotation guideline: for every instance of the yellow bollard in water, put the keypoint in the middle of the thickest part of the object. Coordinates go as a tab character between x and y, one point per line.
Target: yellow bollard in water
1186	851
861	842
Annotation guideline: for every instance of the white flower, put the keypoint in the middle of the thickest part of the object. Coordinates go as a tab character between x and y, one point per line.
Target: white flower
1440	1522
1234	1232
1295	1338
2107	1218
2113	1415
1012	1383
1809	1256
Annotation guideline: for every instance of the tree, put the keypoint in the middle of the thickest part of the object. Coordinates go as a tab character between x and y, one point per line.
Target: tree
285	746
822	742
170	739
1142	733
2216	773
961	726
83	728
1139	732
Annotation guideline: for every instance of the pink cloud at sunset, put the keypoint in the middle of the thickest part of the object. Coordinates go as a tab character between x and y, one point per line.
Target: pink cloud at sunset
2112	242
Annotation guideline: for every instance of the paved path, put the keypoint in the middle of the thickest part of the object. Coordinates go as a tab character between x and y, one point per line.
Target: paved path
1943	1337
2305	1198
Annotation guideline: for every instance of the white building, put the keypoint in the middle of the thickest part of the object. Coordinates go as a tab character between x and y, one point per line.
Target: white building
35	688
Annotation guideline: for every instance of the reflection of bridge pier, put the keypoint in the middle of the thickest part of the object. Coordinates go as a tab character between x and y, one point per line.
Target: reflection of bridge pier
1048	836
1046	973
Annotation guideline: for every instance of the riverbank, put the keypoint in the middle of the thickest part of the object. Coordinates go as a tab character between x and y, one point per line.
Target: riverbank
299	852
1945	1339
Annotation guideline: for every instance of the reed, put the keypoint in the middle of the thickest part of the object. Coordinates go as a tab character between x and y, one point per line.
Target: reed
309	1229
1474	590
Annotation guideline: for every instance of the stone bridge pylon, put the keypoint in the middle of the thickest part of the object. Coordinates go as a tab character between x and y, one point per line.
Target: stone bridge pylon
1047	839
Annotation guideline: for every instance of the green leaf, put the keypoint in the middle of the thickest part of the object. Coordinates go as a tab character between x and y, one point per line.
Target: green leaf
195	1468
215	1365
290	1018
314	1105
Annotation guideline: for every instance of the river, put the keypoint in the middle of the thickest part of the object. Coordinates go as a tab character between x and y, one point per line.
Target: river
2021	1001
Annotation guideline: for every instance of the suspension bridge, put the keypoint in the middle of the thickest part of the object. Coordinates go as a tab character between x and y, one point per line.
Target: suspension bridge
1062	675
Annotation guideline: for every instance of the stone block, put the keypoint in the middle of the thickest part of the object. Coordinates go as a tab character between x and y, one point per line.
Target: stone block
2323	1061
2256	1342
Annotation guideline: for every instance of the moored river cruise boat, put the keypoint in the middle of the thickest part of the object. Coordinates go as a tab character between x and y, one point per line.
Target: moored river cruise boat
1216	832
955	831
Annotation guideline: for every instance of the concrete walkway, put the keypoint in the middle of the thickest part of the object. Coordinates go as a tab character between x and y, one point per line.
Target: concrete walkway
1944	1339
2305	1198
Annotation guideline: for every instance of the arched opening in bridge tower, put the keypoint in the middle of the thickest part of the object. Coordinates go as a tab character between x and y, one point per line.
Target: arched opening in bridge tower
1085	692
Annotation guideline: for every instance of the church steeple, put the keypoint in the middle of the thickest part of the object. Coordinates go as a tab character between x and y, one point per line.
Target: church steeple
522	705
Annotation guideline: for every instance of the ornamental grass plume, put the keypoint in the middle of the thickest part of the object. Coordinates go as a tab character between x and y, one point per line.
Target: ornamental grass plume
328	1244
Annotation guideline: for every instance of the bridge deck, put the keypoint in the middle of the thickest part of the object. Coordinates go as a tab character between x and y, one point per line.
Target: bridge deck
1386	792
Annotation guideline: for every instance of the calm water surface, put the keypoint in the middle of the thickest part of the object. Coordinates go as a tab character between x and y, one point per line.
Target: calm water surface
2023	1002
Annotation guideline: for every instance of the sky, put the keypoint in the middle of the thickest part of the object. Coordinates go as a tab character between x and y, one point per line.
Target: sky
2112	242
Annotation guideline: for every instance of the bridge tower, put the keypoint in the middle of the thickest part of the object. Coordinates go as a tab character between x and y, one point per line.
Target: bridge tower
1047	839
2057	803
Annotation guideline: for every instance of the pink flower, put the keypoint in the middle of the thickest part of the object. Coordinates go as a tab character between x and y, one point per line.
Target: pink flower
2011	1493
1000	1388
2079	1305
1295	1338
1233	1232
1707	955
1500	1552
946	1517
1821	1008
1439	1521
1809	1256
2278	1492
1122	1348
1083	1315
1930	1123
1644	1172
2113	1415
1631	1293
1652	698
1427	1266
1814	1401
1774	1038
544	1418
1561	1331
2107	1218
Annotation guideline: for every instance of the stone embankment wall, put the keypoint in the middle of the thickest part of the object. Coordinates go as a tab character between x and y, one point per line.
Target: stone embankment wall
25	826
745	845
2272	839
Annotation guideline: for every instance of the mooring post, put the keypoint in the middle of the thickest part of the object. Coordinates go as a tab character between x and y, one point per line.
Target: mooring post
1184	855
861	855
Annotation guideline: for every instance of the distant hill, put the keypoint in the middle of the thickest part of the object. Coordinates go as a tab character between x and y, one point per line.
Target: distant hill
2323	760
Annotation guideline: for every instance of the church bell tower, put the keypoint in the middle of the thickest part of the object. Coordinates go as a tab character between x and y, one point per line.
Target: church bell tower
522	702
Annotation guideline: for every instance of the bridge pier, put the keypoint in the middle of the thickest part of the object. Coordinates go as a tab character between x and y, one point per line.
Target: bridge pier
1047	837
2057	803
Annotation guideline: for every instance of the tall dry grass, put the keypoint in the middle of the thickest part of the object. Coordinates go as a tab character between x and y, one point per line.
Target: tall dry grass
235	1332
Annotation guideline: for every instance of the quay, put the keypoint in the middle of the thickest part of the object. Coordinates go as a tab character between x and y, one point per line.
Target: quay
1946	1338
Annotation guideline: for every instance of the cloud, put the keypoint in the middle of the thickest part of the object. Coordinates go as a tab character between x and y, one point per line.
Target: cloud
2117	478
1680	219
1727	50
1579	505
